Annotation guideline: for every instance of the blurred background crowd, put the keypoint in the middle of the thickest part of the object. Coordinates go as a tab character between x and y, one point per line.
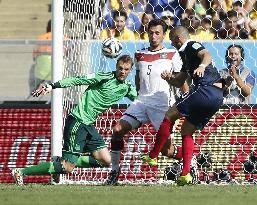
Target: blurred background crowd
25	37
205	19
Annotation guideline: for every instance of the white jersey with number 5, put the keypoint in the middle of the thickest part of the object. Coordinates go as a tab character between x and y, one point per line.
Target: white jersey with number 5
154	91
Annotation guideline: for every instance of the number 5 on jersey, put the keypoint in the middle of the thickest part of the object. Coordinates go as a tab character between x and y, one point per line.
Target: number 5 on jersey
149	67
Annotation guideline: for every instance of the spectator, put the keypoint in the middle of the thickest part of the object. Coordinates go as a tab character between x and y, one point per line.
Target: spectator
247	4
142	32
42	56
132	21
217	11
243	79
139	6
230	29
193	23
168	18
119	31
243	20
177	7
253	22
205	32
198	7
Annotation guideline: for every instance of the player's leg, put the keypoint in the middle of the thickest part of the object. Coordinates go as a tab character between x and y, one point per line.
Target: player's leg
164	128
70	154
56	166
201	105
117	144
134	116
93	143
172	150
187	131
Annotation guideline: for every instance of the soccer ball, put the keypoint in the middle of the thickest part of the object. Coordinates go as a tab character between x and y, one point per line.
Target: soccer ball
111	47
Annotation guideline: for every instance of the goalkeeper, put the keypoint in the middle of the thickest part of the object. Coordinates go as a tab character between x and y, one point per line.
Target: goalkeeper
80	135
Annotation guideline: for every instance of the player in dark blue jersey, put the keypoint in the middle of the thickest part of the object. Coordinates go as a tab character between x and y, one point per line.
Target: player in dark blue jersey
197	106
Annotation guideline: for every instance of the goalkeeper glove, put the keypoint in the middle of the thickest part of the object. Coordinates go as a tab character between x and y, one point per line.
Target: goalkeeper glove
43	89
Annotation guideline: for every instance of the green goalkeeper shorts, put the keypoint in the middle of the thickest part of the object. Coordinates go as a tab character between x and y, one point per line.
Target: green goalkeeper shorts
79	138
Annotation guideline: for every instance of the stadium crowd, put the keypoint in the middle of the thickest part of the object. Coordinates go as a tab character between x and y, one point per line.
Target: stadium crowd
206	20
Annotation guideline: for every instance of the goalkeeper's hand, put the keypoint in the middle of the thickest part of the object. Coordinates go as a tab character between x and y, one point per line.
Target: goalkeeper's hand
43	89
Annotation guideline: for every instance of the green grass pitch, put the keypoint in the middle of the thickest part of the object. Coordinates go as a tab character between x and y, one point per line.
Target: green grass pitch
36	194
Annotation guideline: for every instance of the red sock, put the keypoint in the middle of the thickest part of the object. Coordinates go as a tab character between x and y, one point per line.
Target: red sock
161	137
187	149
178	153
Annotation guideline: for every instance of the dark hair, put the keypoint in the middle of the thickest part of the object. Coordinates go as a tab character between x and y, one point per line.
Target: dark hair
120	13
234	46
231	13
126	59
237	3
156	22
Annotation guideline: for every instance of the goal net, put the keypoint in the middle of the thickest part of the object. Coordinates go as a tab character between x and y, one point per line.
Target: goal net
225	149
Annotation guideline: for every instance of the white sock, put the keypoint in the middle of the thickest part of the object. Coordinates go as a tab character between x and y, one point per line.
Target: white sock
115	160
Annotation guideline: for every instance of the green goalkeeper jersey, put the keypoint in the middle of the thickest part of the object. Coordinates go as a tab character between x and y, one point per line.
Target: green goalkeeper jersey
104	90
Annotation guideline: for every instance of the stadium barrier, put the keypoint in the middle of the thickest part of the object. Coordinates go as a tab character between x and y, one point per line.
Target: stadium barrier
230	138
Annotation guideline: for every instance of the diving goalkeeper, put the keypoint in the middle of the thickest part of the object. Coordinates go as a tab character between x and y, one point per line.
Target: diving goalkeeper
80	135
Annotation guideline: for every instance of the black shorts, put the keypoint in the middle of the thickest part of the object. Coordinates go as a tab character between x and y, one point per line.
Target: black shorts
200	104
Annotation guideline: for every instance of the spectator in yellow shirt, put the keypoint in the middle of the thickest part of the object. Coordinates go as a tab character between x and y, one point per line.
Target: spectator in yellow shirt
205	32
119	30
142	34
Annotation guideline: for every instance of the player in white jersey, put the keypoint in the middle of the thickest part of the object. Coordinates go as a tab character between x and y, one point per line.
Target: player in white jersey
155	94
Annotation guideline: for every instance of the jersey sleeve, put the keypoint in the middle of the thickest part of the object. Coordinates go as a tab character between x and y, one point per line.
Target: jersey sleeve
196	47
132	93
90	80
177	63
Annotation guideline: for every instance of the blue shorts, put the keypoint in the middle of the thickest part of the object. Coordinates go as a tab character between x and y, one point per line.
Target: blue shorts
200	104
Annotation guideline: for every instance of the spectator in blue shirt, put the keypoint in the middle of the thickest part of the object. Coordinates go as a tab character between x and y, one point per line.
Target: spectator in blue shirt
177	7
133	21
242	79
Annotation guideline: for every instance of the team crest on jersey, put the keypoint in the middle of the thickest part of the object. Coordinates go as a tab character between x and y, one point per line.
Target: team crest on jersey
196	46
163	55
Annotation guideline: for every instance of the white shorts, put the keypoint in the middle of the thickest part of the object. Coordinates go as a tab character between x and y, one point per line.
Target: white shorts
138	113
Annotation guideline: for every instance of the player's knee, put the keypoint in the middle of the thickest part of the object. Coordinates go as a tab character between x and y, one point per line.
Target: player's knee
117	131
121	128
106	162
117	134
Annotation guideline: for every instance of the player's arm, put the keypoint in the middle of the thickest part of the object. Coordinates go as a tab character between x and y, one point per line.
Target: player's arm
185	87
245	86
90	80
206	59
177	65
177	81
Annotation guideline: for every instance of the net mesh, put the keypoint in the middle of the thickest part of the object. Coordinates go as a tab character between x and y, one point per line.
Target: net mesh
225	149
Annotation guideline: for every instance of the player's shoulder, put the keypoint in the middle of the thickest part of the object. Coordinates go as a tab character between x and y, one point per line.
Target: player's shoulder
142	50
170	50
105	75
194	45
